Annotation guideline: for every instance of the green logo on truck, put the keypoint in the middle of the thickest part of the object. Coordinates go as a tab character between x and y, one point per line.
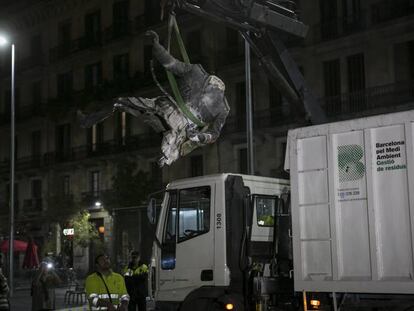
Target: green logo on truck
349	162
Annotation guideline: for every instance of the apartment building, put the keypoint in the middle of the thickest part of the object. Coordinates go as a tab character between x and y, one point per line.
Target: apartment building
358	59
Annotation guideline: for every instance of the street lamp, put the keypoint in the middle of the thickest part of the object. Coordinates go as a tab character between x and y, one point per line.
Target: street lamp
3	42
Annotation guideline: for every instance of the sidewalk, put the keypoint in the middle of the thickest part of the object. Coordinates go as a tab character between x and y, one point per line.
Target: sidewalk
22	301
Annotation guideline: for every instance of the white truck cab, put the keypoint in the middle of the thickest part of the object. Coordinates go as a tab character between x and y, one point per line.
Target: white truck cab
205	228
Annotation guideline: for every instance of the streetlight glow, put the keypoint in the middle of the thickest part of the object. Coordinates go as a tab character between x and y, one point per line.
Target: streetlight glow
3	40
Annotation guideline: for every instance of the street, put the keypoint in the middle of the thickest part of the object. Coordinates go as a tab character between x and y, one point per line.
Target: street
22	301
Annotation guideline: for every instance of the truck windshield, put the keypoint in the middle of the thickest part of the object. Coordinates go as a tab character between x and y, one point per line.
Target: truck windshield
265	210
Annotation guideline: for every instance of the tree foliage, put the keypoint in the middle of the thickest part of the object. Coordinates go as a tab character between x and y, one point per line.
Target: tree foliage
84	231
130	186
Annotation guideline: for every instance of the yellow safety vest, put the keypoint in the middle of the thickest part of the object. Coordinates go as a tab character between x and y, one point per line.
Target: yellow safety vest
95	289
140	270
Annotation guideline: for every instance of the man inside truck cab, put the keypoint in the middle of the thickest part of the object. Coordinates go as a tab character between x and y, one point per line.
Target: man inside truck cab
135	274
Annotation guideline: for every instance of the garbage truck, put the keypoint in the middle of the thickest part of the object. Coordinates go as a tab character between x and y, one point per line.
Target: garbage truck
338	235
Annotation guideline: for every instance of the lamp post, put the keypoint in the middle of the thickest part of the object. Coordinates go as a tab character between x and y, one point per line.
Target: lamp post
4	41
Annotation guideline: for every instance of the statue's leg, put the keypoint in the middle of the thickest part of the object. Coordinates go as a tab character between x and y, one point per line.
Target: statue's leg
136	105
170	147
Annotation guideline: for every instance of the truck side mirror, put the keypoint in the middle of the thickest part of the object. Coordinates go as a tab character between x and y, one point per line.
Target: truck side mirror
152	211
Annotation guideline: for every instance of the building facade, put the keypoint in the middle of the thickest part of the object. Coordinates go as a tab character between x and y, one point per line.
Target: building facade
358	59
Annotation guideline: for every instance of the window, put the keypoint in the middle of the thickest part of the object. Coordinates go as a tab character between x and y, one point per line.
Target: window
194	212
66	185
7	101
275	97
170	235
242	157
37	94
193	209
170	231
235	43
356	72
352	14
329	18
36	143
36	47
332	77
37	194
65	36
152	12
194	43
122	127
63	141
241	105
93	27
64	84
356	82
156	174
36	188
120	17
95	136
121	66
332	85
241	98
93	75
16	193
95	183
196	165
265	210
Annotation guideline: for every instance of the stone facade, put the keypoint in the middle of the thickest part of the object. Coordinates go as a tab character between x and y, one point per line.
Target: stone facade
358	59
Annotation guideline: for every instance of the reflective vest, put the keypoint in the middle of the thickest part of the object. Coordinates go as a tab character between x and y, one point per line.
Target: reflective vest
95	289
142	269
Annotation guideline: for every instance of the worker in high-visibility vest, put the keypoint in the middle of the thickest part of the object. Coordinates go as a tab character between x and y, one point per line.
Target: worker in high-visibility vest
106	289
135	274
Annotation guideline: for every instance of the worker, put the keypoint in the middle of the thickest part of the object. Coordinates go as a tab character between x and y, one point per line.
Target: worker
135	274
106	289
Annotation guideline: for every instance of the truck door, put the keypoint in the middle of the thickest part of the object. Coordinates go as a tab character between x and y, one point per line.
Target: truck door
187	249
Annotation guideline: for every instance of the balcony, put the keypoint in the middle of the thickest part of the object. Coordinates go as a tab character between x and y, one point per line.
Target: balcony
24	112
265	118
379	99
387	10
134	143
31	62
62	50
118	30
90	198
340	27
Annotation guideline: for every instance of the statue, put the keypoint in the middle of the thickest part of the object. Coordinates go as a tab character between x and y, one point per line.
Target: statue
203	96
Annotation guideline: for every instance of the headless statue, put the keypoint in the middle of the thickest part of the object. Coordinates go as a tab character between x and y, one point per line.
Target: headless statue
203	95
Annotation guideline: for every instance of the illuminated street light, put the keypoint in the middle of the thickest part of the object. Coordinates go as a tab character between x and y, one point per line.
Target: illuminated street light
98	204
4	42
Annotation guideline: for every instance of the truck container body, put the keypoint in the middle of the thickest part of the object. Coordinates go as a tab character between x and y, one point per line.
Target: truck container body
352	192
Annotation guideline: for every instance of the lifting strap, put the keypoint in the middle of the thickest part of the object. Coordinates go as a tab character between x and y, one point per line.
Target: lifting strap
172	24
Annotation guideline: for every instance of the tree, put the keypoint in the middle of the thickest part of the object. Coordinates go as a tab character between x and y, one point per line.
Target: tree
62	209
84	231
130	187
